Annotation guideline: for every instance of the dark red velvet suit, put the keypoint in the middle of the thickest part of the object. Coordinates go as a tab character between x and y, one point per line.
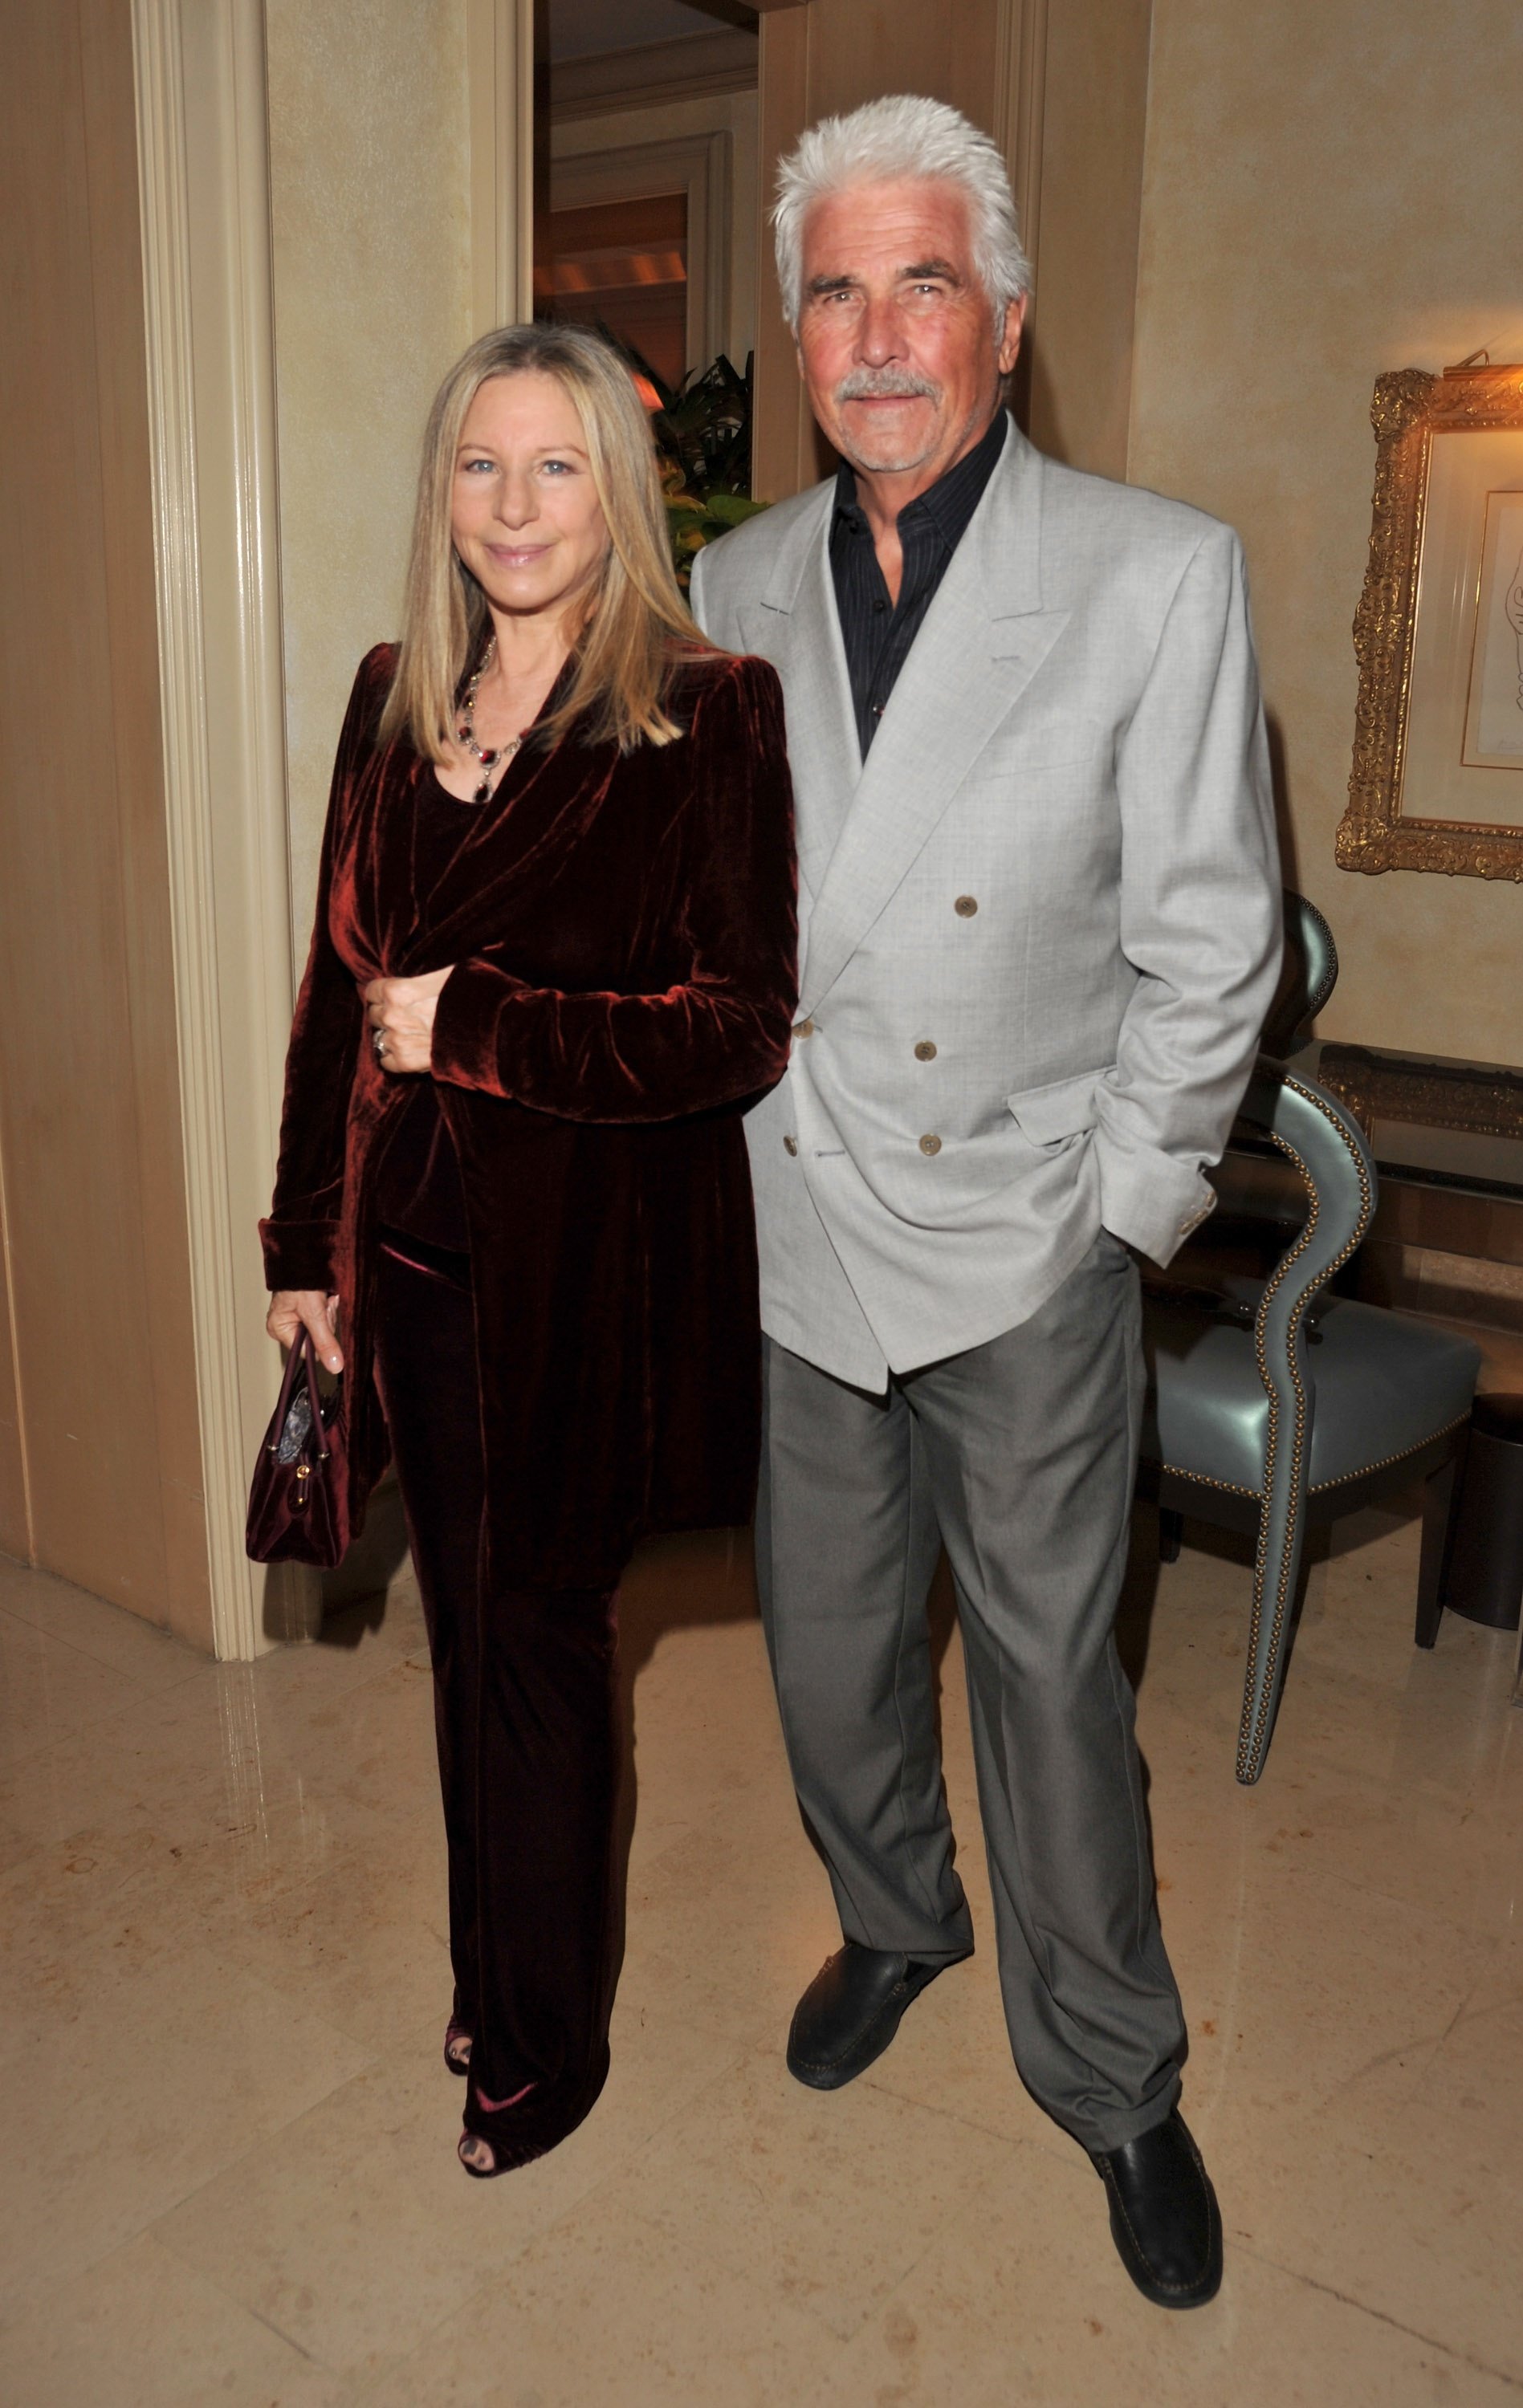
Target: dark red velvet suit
623	934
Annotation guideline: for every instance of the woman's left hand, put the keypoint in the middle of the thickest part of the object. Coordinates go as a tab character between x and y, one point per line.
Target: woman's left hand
400	1013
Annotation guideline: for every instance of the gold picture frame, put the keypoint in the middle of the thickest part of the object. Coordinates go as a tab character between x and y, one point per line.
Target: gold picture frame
1437	782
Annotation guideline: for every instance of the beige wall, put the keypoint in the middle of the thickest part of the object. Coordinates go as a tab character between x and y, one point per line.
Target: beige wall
1331	190
371	196
1094	114
100	1456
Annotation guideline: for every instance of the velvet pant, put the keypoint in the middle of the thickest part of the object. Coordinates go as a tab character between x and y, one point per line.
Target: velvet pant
524	1709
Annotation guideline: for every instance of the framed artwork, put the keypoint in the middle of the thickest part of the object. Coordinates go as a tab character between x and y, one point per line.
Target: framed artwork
1437	781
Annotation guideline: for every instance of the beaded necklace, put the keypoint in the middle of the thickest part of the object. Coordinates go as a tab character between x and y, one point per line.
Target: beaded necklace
466	733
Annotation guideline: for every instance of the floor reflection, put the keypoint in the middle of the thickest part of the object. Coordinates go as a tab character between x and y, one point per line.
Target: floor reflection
223	1977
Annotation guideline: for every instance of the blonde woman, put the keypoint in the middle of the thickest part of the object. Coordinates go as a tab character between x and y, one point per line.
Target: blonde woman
553	959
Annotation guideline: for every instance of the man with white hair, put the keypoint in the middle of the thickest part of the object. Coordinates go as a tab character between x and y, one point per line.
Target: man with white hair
1039	913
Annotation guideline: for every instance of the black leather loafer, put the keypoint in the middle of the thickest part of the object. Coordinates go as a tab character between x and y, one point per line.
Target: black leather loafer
1164	2218
850	2013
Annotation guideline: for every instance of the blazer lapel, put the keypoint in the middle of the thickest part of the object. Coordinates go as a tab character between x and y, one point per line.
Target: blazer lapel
795	625
986	637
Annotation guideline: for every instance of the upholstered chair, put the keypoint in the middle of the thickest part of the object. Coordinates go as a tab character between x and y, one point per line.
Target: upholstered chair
1273	1405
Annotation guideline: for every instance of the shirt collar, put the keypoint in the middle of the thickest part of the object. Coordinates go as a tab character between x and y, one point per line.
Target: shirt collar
949	503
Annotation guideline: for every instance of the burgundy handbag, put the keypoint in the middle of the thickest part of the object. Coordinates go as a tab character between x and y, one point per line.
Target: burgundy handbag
299	1501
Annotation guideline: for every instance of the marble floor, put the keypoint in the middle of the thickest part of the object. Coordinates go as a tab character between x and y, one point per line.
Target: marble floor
229	2139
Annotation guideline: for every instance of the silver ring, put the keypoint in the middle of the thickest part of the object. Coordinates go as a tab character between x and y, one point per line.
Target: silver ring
379	1041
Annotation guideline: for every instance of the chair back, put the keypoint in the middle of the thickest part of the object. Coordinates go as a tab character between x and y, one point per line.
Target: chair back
1307	979
1327	1150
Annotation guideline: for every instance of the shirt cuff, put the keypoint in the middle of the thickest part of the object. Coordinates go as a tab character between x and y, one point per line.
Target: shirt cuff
1150	1200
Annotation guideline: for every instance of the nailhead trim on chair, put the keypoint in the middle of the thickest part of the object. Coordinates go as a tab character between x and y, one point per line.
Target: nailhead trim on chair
1322	1486
1251	1738
1330	976
1205	1480
1319	1487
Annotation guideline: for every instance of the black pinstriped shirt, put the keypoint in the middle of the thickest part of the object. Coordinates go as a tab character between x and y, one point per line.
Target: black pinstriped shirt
877	633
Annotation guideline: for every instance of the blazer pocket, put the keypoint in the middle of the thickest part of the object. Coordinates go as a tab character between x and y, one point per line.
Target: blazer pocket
1064	1108
1019	775
1012	757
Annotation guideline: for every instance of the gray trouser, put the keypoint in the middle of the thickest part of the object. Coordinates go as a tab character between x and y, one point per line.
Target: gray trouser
1019	1456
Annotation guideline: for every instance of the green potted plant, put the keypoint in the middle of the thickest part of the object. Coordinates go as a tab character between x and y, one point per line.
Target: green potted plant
703	439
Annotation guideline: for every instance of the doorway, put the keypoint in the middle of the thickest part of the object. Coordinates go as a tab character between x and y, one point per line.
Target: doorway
646	216
622	264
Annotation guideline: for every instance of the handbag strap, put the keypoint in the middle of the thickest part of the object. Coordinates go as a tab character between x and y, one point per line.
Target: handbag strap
320	1427
301	1359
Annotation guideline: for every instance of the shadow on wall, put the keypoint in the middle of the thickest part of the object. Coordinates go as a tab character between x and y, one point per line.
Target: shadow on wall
1284	822
337	1609
1033	402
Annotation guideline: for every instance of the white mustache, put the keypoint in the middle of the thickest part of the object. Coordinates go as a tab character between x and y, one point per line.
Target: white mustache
886	385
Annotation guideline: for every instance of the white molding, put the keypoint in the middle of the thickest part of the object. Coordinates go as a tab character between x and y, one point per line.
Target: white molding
205	206
693	66
500	36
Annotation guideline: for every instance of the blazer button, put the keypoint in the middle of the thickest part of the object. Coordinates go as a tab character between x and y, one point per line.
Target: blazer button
790	1145
965	905
930	1145
804	1028
924	1051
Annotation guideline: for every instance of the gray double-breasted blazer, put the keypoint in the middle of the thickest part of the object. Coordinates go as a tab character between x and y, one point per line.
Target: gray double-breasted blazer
1039	930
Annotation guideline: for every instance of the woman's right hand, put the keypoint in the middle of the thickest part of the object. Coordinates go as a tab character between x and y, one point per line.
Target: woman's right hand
292	1310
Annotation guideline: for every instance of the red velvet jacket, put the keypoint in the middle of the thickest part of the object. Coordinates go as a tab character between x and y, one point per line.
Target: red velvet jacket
622	930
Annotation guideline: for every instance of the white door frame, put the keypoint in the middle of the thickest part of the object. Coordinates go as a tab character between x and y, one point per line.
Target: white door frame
204	176
205	204
500	36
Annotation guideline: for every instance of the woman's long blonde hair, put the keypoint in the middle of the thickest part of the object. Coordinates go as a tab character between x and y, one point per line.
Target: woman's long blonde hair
637	629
